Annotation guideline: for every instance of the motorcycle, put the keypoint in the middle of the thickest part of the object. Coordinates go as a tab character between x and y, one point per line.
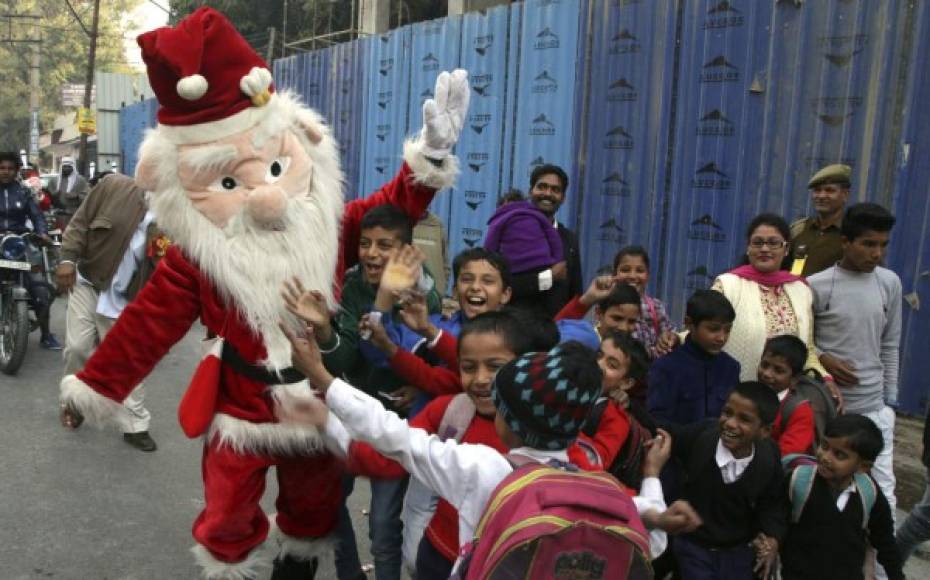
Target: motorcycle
18	259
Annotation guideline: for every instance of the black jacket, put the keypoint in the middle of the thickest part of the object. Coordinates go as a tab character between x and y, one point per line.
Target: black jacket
17	204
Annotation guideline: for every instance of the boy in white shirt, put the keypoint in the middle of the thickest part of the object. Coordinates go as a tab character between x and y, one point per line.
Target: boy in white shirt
537	417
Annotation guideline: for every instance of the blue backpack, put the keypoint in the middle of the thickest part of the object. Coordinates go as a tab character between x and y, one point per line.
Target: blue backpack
803	471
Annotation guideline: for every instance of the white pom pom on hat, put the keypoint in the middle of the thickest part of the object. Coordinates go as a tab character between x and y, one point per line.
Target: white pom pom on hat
192	87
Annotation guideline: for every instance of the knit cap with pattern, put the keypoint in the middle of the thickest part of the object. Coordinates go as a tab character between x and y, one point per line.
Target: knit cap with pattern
545	397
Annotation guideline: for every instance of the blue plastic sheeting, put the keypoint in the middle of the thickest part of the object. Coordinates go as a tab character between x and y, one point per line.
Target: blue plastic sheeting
134	120
480	148
545	91
345	112
434	48
386	98
909	256
625	138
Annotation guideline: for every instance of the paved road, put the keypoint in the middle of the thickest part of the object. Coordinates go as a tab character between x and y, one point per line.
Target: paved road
86	506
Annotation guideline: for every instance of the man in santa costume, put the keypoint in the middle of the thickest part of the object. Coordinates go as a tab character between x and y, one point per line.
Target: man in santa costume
246	183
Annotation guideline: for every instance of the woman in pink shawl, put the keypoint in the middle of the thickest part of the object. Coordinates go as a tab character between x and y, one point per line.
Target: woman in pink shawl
768	300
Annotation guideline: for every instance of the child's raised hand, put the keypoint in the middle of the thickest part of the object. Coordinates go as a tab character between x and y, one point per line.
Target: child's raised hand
402	270
667	342
304	409
306	357
620	397
371	327
599	289
659	450
309	306
414	313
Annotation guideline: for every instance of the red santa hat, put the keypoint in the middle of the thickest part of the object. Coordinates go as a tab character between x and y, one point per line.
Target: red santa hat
208	80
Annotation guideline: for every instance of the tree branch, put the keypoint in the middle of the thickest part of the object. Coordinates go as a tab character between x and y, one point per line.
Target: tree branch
78	18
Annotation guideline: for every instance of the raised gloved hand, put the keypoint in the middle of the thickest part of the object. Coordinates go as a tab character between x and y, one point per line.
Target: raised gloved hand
444	115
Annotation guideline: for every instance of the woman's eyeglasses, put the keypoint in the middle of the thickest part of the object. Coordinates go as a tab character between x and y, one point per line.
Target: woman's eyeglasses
774	243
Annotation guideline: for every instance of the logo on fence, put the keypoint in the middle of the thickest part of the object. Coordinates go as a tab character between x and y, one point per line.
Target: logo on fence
719	70
471	236
544	83
384	98
615	186
382	164
345	87
483	43
611	231
842	49
618	138
385	65
479	121
382	131
474	198
476	161
698	278
723	15
546	39
624	42
715	124
710	177
833	111
430	62
541	125
621	90
706	229
481	84
539	161
427	94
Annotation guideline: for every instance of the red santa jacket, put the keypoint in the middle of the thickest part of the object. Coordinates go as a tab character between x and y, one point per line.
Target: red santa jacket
177	294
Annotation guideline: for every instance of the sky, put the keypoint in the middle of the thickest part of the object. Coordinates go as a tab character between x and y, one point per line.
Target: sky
146	17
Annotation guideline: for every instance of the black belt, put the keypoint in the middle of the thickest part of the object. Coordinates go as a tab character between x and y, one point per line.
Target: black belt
258	373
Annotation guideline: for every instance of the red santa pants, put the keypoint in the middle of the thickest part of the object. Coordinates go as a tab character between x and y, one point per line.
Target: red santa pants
232	523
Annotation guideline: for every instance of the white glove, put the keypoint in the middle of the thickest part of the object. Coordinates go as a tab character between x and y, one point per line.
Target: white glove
444	116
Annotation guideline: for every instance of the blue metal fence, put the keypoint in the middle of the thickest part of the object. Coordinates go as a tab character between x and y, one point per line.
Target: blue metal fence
133	121
677	120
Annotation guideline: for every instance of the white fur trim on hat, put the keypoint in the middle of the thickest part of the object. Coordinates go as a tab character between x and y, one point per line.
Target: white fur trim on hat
98	410
215	130
257	438
425	172
192	87
258	561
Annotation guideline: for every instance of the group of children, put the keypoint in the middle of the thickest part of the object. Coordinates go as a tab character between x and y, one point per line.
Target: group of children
667	417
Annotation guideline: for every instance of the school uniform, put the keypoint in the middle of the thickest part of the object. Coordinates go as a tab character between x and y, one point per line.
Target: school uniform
829	541
736	499
464	474
797	436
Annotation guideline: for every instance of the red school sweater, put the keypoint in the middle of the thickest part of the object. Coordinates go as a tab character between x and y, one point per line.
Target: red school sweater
798	436
443	529
609	438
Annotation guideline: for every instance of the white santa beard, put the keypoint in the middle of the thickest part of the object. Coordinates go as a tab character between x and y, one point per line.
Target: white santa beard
249	265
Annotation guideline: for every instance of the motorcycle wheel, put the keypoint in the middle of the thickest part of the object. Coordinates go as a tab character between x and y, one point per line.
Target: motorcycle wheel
14	335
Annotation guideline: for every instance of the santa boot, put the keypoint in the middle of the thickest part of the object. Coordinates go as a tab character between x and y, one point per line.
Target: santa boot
290	568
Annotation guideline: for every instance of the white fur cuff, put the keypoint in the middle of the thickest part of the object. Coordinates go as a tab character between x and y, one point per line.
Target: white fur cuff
303	549
257	562
424	172
249	438
98	410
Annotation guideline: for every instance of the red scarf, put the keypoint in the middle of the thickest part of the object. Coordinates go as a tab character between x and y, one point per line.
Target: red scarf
774	279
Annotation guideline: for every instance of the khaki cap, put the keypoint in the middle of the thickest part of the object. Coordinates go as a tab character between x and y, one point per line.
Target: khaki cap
836	173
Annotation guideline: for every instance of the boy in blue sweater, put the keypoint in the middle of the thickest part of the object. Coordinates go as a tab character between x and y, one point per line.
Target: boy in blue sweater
692	382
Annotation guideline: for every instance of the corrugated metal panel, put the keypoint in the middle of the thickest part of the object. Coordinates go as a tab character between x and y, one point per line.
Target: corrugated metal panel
346	111
386	107
114	91
134	121
910	250
434	47
623	148
545	91
484	54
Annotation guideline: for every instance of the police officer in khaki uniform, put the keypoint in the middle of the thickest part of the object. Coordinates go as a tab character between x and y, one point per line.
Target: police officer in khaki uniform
816	240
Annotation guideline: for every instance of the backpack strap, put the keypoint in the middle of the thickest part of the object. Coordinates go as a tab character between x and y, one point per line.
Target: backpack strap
868	494
792	403
458	416
793	460
799	489
593	421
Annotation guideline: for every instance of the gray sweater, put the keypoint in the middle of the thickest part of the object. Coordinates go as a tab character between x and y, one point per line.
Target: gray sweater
857	318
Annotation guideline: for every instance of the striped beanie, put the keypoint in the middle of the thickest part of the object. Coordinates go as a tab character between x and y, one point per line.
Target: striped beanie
545	397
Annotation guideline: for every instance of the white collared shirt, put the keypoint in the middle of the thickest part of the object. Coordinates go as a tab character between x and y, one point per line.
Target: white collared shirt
464	474
844	496
732	468
783	394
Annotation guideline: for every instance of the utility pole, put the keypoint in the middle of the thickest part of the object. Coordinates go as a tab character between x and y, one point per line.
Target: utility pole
89	84
34	96
269	54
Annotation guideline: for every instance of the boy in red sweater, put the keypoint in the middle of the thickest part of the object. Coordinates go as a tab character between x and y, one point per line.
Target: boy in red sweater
782	364
486	343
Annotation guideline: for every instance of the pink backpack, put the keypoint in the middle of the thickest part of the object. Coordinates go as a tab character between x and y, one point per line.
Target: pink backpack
557	523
